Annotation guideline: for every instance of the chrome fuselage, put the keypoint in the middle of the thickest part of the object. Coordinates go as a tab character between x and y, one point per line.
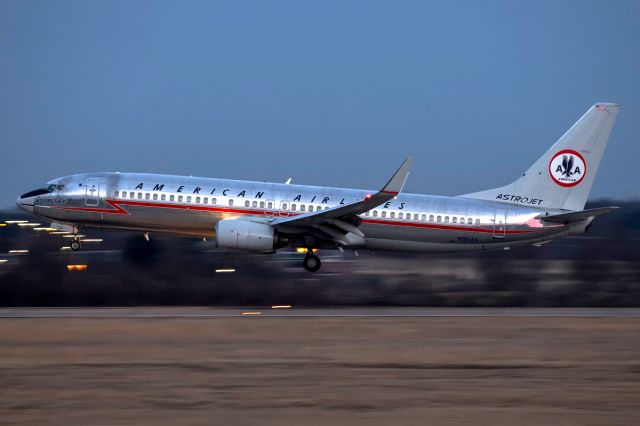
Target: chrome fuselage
191	206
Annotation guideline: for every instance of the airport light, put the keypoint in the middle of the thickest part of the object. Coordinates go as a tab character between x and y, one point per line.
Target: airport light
73	236
59	233
92	240
225	270
252	313
64	248
76	267
3	260
2	225
18	251
29	224
44	229
15	221
281	307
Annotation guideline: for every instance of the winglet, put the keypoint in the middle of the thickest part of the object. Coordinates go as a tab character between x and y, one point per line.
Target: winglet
396	183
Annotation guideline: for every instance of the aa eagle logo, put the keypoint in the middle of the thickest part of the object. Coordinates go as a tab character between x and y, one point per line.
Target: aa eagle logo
567	168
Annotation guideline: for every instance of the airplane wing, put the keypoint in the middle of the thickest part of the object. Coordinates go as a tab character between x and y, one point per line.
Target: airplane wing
577	216
340	224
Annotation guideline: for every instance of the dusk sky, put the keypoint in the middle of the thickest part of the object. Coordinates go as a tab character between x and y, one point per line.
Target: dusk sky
328	93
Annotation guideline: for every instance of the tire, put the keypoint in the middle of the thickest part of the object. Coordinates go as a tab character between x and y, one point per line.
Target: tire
311	263
75	245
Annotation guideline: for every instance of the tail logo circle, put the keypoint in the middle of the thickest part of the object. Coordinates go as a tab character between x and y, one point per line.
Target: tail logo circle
567	168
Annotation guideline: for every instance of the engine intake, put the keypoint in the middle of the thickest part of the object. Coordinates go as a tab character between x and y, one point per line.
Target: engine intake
245	235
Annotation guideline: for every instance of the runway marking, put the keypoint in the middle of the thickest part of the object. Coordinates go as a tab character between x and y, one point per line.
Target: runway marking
283	312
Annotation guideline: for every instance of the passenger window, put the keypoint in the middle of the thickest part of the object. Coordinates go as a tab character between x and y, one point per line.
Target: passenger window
400	216
262	204
462	220
424	218
132	195
375	213
247	203
446	219
172	197
302	207
392	215
326	207
384	213
455	219
293	207
270	205
155	196
197	200
140	195
179	198
117	194
230	201
214	201
310	208
470	221
188	198
415	216
285	206
477	221
163	197
254	204
205	200
439	218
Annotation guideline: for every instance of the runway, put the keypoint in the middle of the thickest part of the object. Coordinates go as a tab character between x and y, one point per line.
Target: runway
293	312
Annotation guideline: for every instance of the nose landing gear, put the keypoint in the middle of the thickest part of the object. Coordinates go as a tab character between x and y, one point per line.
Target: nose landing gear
311	262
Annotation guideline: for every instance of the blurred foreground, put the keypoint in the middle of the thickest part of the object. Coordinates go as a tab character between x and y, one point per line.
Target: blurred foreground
601	268
318	371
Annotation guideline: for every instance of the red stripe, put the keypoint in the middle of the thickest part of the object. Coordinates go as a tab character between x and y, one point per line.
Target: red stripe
119	210
442	227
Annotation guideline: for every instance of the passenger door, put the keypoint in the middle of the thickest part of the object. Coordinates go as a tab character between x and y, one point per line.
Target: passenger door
500	224
92	192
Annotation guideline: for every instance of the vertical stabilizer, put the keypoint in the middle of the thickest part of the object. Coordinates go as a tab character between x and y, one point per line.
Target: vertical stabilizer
563	176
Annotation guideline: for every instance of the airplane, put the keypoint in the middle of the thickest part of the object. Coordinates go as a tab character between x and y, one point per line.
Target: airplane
543	204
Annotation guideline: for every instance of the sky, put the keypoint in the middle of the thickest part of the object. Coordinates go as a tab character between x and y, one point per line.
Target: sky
331	93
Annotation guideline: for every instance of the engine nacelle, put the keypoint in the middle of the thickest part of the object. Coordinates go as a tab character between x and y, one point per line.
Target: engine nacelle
245	235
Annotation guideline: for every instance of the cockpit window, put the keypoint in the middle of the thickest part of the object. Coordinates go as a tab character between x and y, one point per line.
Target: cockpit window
43	191
52	188
35	193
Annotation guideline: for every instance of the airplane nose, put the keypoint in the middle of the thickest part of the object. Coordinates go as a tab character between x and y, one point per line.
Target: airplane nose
26	204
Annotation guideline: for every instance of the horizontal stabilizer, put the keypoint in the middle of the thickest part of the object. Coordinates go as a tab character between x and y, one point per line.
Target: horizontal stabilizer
577	216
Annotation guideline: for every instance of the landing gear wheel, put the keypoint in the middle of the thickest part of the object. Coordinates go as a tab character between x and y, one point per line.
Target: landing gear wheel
75	245
311	263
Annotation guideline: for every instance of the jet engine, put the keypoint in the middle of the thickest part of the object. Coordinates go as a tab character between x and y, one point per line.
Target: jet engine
245	235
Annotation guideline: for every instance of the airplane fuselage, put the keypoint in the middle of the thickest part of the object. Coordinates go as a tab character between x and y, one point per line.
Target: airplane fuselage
191	206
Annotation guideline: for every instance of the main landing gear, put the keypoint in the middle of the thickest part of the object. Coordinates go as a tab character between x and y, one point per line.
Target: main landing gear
311	262
75	244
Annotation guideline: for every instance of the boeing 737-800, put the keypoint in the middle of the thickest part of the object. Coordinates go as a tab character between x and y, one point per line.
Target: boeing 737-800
545	203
